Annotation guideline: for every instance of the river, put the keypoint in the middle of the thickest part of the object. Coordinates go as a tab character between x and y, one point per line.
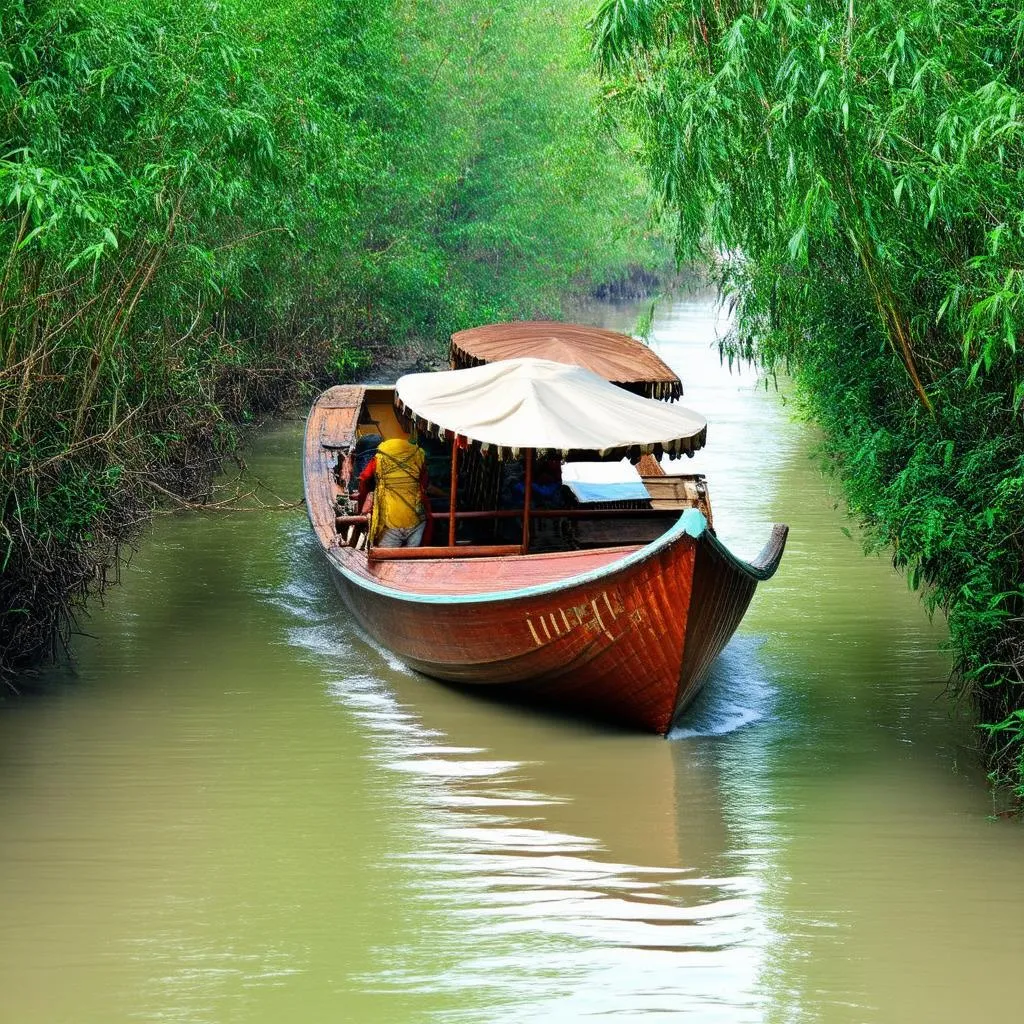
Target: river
237	809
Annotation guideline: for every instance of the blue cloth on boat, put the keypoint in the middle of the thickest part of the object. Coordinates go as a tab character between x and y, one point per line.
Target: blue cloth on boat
603	482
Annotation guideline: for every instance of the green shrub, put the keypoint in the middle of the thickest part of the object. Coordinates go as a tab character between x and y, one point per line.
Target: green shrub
204	204
856	173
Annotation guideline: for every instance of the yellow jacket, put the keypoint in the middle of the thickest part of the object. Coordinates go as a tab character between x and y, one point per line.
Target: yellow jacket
398	499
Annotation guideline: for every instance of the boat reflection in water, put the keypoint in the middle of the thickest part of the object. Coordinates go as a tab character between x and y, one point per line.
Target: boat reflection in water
605	855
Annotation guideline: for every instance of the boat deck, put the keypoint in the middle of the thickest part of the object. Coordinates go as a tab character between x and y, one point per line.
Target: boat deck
476	575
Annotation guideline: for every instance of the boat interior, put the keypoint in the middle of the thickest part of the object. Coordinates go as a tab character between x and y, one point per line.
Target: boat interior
485	507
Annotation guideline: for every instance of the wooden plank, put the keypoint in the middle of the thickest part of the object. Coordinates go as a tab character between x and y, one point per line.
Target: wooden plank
620	531
332	420
679	493
454	493
649	466
380	409
379	554
527	490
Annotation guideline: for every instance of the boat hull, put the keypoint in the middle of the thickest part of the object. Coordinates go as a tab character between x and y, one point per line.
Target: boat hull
630	643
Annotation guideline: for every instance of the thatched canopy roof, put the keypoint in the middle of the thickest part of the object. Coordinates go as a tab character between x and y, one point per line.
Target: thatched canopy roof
615	357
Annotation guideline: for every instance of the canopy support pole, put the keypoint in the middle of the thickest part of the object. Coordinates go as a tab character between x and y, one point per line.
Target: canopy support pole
528	480
453	497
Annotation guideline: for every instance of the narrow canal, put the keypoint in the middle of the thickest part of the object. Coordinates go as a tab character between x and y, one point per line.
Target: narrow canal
237	809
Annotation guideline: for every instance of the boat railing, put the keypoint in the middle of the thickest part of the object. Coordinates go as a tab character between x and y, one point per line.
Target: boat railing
459	551
545	513
352	530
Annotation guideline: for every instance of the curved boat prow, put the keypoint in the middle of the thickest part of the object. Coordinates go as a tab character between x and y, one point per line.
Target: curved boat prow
763	567
767	561
770	555
722	588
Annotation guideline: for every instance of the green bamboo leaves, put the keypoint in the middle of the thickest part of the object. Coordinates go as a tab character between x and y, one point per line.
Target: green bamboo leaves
203	204
855	171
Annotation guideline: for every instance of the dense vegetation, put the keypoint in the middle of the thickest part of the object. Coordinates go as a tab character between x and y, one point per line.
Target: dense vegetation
856	173
203	203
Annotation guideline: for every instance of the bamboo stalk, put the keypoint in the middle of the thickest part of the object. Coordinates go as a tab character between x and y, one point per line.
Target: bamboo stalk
892	320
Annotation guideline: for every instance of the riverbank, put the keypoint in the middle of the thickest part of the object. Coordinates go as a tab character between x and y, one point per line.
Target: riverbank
72	507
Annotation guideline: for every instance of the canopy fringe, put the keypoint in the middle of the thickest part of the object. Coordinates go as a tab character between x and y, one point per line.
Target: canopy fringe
634	452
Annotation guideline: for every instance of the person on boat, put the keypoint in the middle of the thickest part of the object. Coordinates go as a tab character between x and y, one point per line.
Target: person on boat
366	448
546	489
399	472
547	483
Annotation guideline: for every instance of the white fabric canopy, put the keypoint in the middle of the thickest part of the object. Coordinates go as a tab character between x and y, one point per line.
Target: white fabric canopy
535	403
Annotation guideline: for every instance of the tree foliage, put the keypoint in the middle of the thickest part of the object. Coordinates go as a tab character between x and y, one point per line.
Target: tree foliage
856	173
203	201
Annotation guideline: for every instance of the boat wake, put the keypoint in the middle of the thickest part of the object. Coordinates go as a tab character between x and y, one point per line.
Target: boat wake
326	628
736	694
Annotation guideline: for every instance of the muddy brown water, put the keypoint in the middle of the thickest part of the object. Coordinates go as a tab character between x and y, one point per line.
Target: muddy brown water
238	809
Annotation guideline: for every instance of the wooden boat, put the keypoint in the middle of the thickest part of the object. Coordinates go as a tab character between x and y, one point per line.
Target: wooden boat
616	612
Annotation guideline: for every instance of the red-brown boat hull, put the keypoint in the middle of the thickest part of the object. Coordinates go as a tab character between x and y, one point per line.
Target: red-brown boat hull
627	643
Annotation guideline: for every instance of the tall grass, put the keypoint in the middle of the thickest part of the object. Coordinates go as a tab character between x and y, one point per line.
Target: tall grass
204	204
856	174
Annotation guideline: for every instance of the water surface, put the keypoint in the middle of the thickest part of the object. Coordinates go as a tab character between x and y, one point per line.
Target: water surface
237	808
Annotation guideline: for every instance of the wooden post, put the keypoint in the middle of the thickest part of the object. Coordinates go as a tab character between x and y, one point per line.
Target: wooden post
453	497
528	478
